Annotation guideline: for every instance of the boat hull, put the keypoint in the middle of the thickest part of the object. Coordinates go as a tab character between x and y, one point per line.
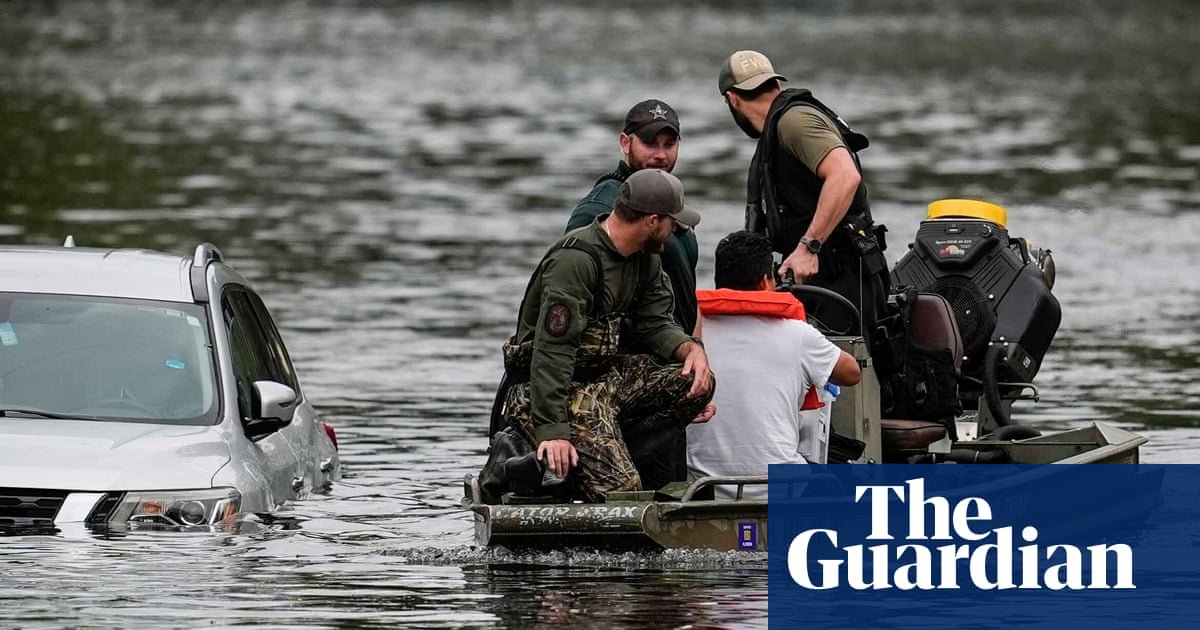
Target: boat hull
651	520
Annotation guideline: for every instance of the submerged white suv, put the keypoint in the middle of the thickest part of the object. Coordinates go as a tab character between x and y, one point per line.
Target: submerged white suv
138	387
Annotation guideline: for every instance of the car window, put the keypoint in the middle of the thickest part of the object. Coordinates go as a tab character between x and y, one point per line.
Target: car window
258	353
106	358
251	360
282	364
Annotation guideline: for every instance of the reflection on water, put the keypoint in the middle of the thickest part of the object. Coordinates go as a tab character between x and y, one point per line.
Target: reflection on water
388	173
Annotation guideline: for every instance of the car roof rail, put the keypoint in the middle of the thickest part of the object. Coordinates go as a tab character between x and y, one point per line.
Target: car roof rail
205	253
70	242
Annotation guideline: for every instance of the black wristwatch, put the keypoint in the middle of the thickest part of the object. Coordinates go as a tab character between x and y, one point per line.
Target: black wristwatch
813	245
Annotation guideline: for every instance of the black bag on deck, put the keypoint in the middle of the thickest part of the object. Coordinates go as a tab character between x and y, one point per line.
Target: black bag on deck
512	467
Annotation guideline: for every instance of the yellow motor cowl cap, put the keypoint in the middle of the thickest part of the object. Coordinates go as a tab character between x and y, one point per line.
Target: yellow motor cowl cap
968	208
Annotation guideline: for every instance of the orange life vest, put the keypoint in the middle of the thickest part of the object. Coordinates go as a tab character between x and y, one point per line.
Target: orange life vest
779	304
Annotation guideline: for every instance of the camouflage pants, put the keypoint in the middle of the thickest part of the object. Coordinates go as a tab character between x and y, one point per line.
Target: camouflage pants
638	405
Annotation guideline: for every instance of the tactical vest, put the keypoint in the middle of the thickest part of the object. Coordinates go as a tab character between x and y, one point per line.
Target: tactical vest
600	339
675	265
782	192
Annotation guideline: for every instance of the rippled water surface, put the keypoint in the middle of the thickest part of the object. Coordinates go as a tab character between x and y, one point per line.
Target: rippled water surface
388	173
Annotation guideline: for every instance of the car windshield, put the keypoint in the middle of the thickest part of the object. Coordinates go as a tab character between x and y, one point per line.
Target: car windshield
105	359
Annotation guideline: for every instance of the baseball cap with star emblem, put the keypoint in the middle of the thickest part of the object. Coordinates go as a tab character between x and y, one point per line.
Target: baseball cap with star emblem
648	118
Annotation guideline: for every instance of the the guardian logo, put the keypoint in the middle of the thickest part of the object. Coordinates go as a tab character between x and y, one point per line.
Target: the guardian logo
986	559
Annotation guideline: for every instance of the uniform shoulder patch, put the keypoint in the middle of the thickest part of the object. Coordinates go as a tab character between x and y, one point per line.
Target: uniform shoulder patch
558	319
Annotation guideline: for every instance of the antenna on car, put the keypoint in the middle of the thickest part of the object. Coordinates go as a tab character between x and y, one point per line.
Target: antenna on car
70	242
205	253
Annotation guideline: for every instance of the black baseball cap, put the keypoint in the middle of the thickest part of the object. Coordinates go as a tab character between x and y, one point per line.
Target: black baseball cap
648	118
655	191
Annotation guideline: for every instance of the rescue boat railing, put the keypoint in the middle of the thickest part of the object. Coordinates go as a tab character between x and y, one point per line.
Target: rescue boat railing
707	482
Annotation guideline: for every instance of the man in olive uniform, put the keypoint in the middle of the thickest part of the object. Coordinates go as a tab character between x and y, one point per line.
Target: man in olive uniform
650	139
587	405
805	189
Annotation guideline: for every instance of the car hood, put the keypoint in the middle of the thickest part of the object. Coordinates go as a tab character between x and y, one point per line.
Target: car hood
99	456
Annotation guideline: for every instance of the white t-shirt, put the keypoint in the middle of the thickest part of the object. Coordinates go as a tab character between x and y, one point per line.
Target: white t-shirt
764	367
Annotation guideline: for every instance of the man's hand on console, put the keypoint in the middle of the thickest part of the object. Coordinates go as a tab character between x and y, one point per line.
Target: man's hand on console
802	263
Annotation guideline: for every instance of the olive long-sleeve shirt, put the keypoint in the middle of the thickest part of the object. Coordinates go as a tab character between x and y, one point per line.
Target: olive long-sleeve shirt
679	257
557	306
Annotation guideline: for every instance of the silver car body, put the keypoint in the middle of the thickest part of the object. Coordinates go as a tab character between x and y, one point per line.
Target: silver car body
91	459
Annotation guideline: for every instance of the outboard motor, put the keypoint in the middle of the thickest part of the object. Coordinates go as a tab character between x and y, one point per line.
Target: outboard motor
999	289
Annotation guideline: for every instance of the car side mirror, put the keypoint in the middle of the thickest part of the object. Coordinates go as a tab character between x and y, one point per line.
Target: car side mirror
272	407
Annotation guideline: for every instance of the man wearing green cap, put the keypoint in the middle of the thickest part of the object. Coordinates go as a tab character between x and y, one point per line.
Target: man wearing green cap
581	399
650	139
805	189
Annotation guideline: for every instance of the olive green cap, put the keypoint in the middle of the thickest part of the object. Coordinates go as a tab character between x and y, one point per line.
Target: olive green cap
654	191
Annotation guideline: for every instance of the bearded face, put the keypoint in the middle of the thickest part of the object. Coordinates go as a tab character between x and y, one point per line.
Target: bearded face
660	152
654	246
743	123
656	242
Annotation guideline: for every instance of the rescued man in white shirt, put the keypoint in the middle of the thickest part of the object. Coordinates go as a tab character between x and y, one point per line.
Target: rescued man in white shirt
767	359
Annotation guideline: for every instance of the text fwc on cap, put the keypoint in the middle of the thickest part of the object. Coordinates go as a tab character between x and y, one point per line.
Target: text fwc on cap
654	191
648	118
746	70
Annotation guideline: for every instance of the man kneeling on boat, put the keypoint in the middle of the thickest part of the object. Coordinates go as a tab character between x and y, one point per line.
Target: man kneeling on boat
770	362
588	403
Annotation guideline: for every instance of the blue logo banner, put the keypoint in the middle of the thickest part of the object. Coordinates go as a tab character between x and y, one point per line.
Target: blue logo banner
984	546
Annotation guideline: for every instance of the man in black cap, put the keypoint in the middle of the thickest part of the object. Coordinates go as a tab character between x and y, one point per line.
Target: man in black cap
650	139
580	398
805	189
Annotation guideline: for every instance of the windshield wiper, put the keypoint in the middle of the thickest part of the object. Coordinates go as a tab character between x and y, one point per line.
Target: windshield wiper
4	413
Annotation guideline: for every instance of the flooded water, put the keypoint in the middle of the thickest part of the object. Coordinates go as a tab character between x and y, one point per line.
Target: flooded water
387	173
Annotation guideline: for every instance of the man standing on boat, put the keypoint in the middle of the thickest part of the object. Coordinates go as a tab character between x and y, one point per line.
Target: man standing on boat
805	190
585	402
770	361
650	139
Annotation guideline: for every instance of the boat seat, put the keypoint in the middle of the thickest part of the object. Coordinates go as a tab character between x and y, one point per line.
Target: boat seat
910	434
934	326
901	439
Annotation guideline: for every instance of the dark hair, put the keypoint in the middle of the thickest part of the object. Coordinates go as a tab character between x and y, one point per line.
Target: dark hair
752	95
743	258
626	215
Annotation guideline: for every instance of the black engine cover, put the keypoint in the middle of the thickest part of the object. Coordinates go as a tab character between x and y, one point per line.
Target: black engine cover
998	293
